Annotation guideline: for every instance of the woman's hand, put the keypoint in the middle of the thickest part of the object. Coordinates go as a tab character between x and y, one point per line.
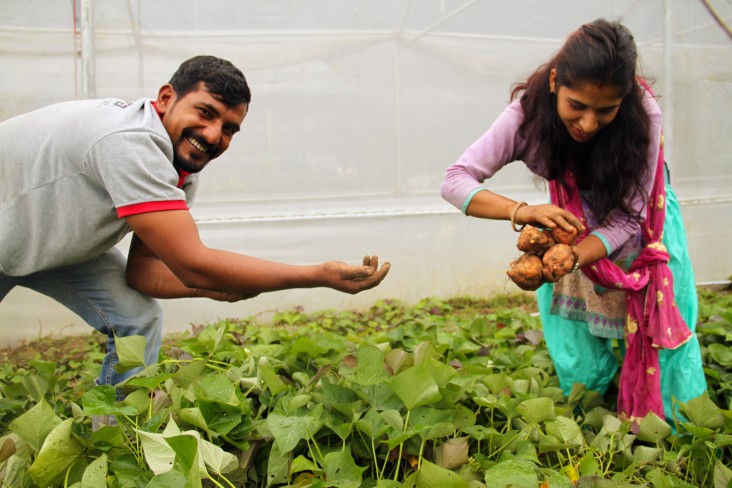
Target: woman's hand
548	215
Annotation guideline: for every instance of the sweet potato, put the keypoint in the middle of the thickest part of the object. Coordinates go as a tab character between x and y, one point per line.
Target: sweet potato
527	272
563	237
534	240
558	261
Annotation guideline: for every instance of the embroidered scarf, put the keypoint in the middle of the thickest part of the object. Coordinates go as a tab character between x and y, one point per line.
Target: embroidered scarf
653	321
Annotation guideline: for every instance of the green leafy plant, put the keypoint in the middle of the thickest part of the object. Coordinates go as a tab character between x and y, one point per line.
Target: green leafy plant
442	393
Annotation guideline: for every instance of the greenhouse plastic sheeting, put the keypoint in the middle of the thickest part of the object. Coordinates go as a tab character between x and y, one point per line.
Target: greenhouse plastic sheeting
358	107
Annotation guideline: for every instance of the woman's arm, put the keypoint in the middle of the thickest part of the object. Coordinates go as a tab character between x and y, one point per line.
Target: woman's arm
497	147
501	144
489	205
588	251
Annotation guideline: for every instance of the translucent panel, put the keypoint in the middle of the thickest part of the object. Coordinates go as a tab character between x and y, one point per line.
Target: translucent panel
358	107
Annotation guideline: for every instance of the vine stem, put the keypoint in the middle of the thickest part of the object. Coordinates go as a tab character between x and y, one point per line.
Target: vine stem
376	461
421	450
610	451
210	478
506	444
383	466
317	447
401	447
375	467
137	452
228	482
210	363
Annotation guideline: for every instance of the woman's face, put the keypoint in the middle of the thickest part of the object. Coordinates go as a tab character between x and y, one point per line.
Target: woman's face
587	108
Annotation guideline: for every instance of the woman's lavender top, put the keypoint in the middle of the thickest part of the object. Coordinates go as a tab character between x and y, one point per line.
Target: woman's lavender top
502	144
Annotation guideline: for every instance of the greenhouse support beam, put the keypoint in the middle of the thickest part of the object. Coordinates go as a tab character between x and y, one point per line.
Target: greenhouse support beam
88	81
137	33
668	82
444	19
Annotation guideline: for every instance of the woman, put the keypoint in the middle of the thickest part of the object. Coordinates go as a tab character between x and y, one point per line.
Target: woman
584	123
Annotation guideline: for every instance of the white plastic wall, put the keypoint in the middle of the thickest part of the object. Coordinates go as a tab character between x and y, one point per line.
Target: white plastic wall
358	107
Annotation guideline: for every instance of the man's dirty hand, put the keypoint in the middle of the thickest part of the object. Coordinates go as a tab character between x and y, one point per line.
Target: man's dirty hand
353	279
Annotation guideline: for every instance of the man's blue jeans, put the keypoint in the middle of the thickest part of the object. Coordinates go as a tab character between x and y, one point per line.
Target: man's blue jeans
97	291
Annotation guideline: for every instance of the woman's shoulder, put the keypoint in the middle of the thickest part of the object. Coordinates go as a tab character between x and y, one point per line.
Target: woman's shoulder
508	125
515	108
650	101
511	117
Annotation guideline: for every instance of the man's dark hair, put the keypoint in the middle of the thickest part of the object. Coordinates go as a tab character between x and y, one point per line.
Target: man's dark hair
224	80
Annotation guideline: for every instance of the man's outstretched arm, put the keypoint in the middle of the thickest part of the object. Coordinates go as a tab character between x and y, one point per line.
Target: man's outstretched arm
148	274
168	260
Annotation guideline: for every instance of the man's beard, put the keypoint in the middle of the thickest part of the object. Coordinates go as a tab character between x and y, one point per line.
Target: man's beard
186	164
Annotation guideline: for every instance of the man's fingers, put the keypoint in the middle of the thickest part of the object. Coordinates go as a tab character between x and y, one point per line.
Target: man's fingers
362	272
368	277
383	271
375	279
353	279
369	268
373	262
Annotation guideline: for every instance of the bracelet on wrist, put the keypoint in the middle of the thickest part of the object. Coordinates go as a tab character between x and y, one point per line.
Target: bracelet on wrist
513	217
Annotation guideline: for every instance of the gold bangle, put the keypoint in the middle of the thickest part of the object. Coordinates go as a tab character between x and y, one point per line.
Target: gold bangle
513	217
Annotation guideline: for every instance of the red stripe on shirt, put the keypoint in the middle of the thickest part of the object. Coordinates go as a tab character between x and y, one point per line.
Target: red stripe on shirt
145	207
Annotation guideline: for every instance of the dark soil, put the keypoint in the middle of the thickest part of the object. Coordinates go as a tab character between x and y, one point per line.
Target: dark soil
61	350
57	350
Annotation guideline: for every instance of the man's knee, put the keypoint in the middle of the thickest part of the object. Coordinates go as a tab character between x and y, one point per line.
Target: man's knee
146	319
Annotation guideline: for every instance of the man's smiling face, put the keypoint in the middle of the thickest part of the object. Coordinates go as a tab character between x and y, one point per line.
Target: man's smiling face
199	125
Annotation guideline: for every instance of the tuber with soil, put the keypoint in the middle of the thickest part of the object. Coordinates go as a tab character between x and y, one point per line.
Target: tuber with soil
548	254
558	260
527	272
534	240
562	236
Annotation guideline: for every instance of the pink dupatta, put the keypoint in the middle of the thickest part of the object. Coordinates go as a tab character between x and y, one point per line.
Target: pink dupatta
653	321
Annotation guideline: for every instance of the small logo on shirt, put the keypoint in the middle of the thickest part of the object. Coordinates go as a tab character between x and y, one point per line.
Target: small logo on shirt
115	102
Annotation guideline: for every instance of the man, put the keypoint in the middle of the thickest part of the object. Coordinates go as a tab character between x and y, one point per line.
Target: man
75	177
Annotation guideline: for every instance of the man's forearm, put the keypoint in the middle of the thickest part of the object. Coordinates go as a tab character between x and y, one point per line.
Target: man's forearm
168	259
153	278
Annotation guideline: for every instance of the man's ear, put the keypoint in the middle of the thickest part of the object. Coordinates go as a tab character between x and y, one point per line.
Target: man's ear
166	98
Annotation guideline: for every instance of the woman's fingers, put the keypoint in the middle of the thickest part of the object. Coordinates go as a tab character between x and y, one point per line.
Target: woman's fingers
551	216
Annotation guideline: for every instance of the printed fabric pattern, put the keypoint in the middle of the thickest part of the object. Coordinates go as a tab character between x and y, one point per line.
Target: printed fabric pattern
653	321
576	297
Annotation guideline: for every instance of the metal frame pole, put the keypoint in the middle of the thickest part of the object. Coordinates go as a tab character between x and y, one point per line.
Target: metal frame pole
88	70
668	82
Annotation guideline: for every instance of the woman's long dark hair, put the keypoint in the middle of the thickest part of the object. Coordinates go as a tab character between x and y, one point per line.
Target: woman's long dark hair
614	162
